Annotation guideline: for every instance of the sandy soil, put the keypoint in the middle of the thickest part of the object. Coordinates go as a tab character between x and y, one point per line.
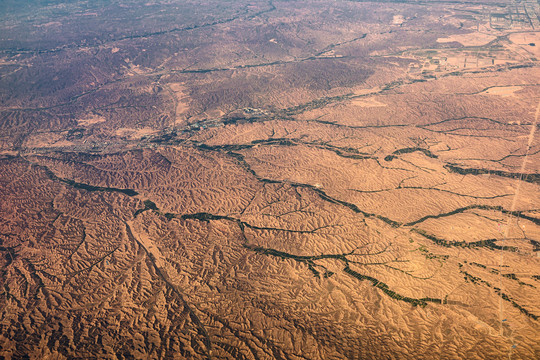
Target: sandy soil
472	39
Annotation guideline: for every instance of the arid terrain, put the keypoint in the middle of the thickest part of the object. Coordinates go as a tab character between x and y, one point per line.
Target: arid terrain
269	179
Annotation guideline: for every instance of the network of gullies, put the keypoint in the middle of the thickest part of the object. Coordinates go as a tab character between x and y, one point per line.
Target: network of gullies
269	179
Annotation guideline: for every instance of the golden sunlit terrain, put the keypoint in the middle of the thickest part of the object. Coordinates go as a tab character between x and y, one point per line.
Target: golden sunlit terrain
269	179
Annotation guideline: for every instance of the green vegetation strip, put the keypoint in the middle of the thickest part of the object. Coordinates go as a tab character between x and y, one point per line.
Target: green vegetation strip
148	205
309	260
351	206
385	289
476	280
208	217
489	243
532	178
479	207
515	304
408	151
87	187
